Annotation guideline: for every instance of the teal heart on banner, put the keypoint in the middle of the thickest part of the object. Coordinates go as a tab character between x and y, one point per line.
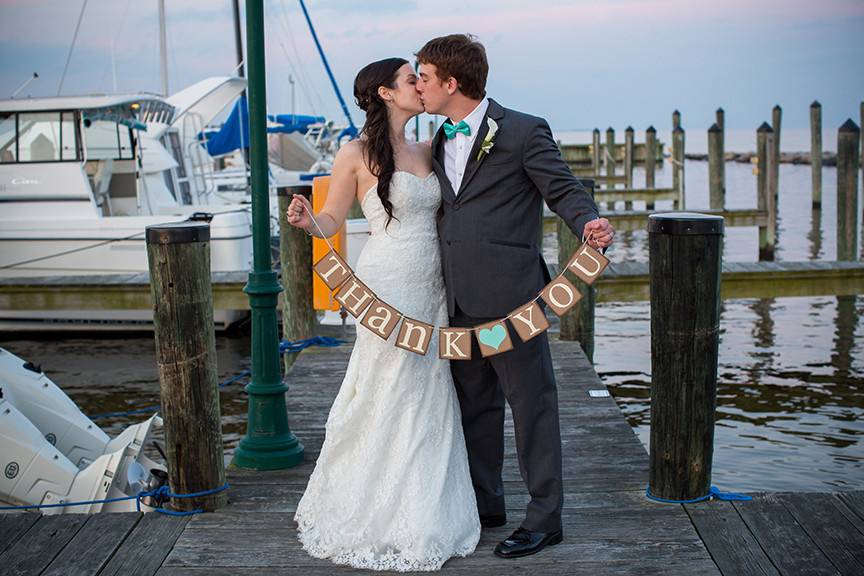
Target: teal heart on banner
492	337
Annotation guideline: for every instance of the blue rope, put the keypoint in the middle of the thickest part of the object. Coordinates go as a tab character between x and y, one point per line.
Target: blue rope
162	491
285	346
713	492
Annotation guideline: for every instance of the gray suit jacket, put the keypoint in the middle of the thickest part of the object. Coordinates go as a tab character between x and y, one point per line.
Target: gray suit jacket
489	232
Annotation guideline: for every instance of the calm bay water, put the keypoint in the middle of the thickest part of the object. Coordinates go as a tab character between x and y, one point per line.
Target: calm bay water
791	376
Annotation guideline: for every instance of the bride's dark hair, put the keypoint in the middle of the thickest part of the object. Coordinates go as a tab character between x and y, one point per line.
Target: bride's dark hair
377	147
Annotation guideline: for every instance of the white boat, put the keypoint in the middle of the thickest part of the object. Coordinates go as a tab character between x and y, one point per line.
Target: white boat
82	177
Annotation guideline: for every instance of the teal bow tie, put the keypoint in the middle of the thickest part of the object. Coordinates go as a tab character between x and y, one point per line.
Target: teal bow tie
450	130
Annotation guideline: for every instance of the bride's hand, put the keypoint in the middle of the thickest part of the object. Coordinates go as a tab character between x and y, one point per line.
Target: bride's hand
299	211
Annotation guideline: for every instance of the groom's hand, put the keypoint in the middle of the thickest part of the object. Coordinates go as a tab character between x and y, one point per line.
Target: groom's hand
599	233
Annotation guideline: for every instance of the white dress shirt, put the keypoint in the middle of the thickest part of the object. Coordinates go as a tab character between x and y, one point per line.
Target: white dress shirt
456	151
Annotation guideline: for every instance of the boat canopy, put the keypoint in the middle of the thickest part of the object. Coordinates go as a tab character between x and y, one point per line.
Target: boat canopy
133	110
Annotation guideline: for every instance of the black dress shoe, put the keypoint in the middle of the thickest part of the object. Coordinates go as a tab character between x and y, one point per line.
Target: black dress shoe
524	543
493	520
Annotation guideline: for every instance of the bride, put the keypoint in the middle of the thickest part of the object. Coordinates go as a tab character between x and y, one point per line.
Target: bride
391	489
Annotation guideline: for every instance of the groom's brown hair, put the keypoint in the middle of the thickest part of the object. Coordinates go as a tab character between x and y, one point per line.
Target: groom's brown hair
460	56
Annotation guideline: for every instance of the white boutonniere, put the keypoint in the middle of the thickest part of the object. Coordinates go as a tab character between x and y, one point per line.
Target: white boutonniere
489	140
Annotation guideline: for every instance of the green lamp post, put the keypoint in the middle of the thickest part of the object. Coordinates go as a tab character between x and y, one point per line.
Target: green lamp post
268	443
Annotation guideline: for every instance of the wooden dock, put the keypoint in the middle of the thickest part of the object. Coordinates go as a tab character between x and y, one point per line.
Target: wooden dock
622	282
610	526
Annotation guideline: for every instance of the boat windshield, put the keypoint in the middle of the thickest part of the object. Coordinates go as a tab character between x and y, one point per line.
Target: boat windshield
107	140
38	137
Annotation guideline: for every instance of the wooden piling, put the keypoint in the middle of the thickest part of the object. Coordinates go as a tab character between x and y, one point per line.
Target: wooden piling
776	120
764	193
676	119
650	159
678	166
716	168
685	260
847	191
578	323
179	259
609	154
628	163
816	152
721	119
596	155
295	256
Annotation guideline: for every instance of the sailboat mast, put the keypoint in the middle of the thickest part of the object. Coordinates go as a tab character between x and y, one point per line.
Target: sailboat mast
163	49
238	38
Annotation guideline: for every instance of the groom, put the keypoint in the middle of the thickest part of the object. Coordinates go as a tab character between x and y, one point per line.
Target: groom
493	188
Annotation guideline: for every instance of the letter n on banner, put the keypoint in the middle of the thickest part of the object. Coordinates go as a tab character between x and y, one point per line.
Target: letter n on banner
493	338
332	270
529	321
381	319
454	343
414	336
587	263
561	295
355	297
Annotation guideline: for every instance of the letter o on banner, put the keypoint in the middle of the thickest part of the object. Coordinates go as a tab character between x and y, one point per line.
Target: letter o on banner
561	295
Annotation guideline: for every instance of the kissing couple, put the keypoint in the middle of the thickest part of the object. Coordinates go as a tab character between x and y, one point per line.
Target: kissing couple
410	469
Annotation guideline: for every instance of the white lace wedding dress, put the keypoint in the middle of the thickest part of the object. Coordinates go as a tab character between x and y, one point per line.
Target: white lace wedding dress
391	489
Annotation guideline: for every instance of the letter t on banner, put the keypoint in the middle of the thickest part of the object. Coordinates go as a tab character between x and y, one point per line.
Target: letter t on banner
332	270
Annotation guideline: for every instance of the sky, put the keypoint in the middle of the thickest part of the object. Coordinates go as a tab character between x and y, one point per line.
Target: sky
581	63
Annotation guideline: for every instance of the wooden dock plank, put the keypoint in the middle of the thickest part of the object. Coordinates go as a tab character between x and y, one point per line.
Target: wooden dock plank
825	523
785	542
854	500
13	527
731	544
94	544
38	547
144	550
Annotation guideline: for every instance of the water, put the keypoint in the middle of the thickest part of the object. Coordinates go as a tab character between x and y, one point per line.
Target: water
791	373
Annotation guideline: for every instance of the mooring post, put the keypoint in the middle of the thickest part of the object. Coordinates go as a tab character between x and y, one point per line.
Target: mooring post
609	156
816	151
721	119
578	323
847	191
595	151
295	256
178	255
650	161
764	194
678	165
716	164
776	120
628	163
685	254
676	119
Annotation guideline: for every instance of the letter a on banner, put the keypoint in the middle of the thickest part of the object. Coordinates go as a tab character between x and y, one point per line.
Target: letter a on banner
454	343
355	297
587	263
332	270
561	295
414	336
381	319
529	321
493	338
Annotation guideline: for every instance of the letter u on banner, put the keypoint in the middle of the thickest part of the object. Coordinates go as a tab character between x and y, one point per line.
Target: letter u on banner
587	263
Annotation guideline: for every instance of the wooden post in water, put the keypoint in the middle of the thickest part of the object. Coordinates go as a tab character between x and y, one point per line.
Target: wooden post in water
764	194
716	164
295	256
678	165
847	191
178	255
776	120
816	152
578	323
596	155
650	159
676	119
685	253
629	149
